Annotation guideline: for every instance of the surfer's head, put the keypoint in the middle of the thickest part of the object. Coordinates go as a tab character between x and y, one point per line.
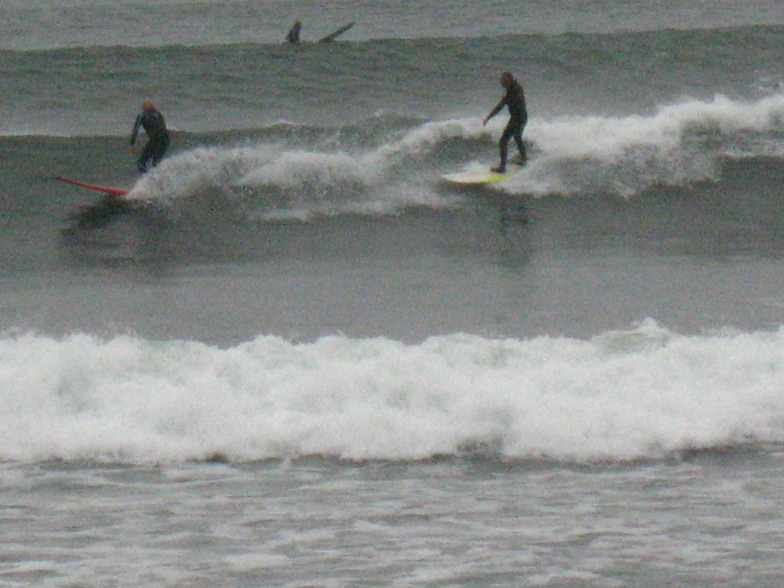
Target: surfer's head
148	105
507	79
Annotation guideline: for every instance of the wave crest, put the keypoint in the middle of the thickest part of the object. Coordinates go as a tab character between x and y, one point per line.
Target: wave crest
341	171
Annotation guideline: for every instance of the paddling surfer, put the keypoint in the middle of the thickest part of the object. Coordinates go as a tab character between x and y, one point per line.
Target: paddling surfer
293	34
292	37
514	99
151	120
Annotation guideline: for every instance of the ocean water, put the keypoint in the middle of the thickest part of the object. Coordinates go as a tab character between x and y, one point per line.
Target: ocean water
294	357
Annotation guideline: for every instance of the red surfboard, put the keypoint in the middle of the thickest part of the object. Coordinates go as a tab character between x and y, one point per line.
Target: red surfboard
96	187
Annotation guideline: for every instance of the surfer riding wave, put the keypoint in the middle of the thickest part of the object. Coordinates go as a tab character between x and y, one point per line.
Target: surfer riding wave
151	120
514	99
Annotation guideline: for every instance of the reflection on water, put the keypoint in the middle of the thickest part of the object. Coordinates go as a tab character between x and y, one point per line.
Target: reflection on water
115	230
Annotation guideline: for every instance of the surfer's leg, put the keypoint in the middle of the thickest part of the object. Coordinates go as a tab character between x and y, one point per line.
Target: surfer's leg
521	148
503	148
159	150
518	137
153	153
142	163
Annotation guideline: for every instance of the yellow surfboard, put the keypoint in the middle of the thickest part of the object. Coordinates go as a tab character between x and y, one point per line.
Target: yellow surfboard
478	176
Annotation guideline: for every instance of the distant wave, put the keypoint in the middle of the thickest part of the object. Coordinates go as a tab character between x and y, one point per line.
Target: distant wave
251	85
643	393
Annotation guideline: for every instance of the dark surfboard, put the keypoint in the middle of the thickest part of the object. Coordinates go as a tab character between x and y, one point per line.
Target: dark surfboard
332	36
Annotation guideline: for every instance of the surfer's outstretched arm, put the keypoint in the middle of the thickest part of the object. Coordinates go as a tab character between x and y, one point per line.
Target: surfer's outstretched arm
135	131
495	110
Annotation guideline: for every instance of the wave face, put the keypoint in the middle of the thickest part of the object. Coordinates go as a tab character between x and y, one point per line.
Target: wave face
638	394
387	164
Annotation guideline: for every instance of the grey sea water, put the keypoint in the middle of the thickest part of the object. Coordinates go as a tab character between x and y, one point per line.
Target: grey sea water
295	357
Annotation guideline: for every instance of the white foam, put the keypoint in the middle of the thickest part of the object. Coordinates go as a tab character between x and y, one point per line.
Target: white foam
641	393
256	561
611	137
678	144
278	182
205	169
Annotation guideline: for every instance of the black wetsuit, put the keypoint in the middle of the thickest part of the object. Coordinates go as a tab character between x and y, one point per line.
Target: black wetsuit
514	99
293	35
158	138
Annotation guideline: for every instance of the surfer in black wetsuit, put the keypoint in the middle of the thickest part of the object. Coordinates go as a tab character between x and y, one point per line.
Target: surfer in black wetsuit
514	99
293	35
157	136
